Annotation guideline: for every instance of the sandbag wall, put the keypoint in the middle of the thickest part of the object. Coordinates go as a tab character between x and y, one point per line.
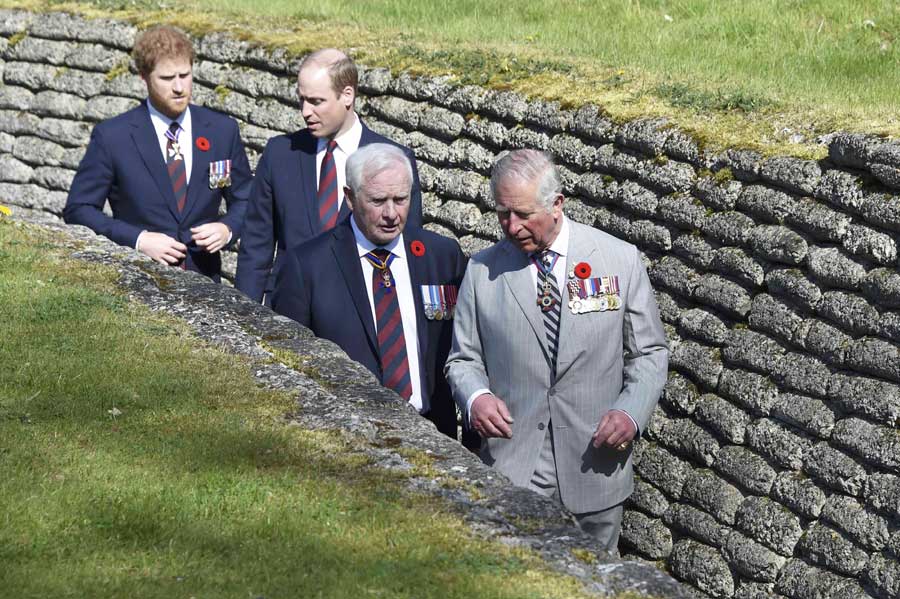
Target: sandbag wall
772	466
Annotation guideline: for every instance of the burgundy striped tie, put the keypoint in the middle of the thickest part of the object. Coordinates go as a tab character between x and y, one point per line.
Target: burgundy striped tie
328	191
175	165
391	341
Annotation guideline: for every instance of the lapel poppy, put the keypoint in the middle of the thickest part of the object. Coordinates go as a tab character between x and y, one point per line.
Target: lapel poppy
582	270
202	144
417	248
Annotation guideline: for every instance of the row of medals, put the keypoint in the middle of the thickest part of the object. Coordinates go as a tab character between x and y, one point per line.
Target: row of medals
220	181
580	305
432	311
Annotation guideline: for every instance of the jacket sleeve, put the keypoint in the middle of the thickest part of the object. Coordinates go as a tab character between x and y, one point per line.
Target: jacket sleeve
465	369
292	295
89	191
258	235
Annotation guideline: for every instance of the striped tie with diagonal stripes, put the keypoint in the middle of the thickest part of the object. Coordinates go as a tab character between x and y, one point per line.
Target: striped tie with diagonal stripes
549	299
175	166
328	189
391	341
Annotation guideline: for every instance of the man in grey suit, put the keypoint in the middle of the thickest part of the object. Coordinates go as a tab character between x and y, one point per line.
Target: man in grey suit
559	356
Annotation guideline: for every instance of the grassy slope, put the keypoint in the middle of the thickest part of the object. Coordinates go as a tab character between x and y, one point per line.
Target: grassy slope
747	73
137	462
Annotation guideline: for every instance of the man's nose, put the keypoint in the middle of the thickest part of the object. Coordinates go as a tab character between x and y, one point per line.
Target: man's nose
389	211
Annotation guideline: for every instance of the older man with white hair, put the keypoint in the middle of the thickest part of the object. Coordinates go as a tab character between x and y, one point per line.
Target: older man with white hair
383	290
559	355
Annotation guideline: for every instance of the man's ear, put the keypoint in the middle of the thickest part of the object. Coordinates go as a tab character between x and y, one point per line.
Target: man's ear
349	197
556	208
348	96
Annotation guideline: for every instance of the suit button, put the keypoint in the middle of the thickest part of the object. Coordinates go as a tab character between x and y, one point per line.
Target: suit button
541	426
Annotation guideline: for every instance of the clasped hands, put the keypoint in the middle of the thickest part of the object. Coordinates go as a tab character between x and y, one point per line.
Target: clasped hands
210	237
491	418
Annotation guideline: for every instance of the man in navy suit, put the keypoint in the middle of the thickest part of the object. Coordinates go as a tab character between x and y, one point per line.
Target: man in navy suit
164	167
298	189
380	287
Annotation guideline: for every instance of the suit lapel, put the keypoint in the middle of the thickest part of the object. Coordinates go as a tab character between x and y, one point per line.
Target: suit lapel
309	178
144	136
517	275
418	276
349	262
198	184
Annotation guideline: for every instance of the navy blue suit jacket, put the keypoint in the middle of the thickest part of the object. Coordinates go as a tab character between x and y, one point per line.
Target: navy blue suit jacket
284	211
321	285
123	164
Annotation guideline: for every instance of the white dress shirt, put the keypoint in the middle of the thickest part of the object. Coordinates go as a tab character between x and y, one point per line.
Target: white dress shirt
400	272
347	143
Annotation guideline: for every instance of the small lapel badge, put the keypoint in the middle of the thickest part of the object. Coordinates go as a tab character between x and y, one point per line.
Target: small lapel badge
219	174
439	301
594	294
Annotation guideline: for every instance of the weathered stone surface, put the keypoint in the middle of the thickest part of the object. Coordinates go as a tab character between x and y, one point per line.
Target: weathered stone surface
105	107
799	493
38	152
718	196
792	283
682	211
766	204
648	499
14	171
835	469
693	248
705	489
851	312
746	469
883	494
871	244
703	567
685	437
778	442
819	221
701	363
589	121
646	234
812	415
703	325
744	164
802	373
827	547
648	536
753	350
772	316
53	177
799	176
832	267
754	392
489	132
661	468
800	581
722	294
875	356
722	417
882	286
751	559
507	106
32	196
55	104
769	523
778	244
756	590
637	199
64	26
672	273
15	98
695	523
883	574
847	514
876	444
680	395
883	210
825	341
736	263
729	228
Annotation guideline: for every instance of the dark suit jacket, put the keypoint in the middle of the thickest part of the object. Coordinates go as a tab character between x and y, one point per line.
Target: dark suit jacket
123	164
283	210
321	285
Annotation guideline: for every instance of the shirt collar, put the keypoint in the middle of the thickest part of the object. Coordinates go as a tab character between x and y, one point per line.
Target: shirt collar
161	120
348	141
364	246
560	245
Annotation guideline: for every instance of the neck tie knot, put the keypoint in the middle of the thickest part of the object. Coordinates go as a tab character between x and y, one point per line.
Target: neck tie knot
381	253
332	144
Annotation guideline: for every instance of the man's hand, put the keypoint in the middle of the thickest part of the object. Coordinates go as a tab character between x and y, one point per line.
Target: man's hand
490	417
162	248
212	237
615	428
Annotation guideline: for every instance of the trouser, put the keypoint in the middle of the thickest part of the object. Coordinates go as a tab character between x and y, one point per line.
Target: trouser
603	525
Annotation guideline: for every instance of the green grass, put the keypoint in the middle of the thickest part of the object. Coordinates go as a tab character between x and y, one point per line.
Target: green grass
135	461
738	73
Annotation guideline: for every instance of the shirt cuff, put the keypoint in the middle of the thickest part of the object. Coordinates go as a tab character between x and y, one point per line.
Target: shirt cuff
137	242
637	429
471	400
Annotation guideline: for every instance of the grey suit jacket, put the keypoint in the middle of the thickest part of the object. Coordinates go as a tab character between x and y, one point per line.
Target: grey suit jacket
616	359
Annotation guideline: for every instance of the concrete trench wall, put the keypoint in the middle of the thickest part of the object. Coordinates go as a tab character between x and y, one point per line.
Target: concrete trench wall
772	466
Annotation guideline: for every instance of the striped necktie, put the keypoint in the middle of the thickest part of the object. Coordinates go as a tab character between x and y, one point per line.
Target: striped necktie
391	341
328	191
549	302
175	165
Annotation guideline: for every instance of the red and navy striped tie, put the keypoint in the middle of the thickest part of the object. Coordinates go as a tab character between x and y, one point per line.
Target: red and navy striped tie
391	341
175	165
328	189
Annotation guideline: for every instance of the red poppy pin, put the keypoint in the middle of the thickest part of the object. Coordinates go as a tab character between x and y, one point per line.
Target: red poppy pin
582	270
202	144
418	248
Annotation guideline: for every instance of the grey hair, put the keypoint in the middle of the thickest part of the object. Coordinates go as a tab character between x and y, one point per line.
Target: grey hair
527	166
372	159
